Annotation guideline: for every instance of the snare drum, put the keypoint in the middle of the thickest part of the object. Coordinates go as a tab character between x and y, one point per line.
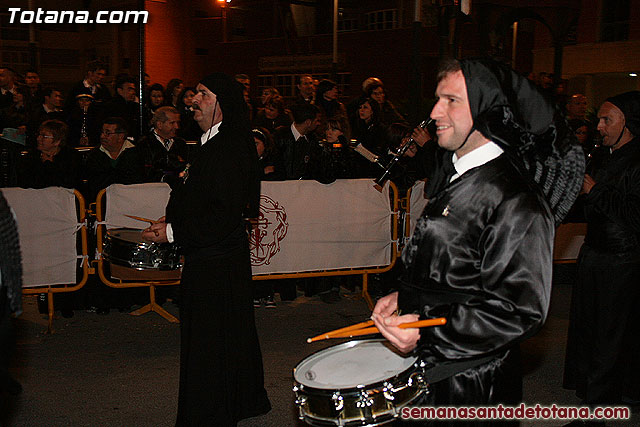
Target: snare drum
358	383
125	247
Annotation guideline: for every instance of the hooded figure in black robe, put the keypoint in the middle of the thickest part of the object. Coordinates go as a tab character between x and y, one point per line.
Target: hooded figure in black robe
602	359
221	373
481	252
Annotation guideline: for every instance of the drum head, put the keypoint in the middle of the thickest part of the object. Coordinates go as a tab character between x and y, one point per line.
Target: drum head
132	235
351	364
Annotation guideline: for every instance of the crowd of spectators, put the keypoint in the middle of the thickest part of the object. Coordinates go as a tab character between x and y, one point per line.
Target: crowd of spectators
91	136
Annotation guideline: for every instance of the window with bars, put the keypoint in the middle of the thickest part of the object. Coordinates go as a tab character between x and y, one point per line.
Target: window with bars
381	19
15	31
15	57
614	22
60	57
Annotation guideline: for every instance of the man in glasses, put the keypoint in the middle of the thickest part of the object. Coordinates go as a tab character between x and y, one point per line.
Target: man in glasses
115	160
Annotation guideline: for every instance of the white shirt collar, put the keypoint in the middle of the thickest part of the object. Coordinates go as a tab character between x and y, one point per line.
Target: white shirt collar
125	145
213	131
481	155
47	109
159	138
296	134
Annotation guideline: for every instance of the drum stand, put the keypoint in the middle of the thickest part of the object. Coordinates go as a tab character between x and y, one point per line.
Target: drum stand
152	306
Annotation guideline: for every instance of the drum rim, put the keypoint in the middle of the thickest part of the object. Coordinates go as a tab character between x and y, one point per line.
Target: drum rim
147	246
142	244
353	389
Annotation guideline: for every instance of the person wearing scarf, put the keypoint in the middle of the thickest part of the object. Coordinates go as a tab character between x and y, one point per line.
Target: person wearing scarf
481	253
221	373
10	293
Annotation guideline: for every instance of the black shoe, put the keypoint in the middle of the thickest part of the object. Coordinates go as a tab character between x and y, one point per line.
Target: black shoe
269	302
67	314
102	311
43	306
330	297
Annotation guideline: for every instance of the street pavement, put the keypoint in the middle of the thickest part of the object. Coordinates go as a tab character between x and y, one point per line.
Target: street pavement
122	370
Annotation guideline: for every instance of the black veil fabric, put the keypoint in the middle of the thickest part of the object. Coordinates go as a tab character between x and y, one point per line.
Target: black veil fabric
235	119
512	112
629	104
230	98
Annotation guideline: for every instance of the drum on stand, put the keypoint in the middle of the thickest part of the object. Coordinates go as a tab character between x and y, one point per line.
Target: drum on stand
125	247
357	383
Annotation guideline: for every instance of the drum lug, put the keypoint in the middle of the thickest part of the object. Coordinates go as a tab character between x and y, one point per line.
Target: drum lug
338	401
419	381
300	401
364	403
387	391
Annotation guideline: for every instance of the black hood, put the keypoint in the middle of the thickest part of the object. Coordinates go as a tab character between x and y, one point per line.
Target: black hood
511	111
235	113
629	104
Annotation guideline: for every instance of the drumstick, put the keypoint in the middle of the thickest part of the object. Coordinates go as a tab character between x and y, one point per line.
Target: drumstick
330	334
374	330
139	218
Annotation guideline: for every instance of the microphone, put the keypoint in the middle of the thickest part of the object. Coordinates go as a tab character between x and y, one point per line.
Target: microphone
397	156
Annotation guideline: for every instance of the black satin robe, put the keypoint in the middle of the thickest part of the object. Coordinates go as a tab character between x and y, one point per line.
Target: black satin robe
481	256
221	372
602	359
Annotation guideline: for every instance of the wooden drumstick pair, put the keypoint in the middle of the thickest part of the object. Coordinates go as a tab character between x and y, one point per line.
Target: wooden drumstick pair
366	328
139	218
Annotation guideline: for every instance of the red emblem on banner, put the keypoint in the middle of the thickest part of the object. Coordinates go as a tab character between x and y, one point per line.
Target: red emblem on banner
271	229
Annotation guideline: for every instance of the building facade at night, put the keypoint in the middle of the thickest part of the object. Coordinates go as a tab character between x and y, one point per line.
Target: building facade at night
594	44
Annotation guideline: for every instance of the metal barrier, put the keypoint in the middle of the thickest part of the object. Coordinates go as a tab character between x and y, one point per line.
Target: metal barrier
86	270
150	279
161	279
365	272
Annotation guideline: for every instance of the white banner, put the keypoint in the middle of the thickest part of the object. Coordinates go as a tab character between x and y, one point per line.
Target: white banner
308	226
417	202
143	200
569	240
47	225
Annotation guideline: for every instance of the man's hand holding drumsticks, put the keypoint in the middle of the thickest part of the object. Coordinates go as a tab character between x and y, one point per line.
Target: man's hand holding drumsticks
387	323
156	232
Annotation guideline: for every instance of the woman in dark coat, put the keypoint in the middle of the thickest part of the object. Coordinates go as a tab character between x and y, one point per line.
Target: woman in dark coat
368	131
52	163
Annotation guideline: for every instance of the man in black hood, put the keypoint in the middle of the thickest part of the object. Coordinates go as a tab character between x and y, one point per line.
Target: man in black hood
602	350
221	374
481	253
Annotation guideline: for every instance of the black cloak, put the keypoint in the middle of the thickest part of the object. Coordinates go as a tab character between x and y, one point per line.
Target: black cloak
221	373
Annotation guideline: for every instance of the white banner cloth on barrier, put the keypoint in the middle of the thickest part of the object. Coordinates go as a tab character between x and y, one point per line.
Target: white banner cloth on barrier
143	200
417	202
47	225
569	240
308	226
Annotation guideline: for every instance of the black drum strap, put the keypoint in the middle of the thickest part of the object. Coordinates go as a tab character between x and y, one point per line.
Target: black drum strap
446	370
